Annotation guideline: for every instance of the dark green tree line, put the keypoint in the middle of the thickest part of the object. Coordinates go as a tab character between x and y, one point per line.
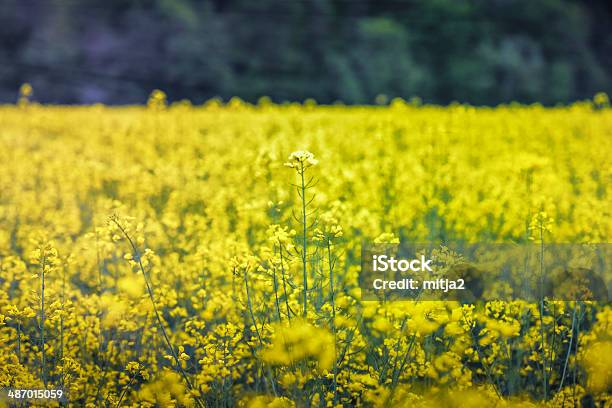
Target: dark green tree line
477	51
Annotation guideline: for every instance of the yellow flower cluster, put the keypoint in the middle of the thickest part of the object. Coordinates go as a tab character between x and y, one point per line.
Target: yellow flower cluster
298	342
163	256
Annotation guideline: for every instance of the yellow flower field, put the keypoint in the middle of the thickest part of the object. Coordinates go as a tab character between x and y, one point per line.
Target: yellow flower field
208	255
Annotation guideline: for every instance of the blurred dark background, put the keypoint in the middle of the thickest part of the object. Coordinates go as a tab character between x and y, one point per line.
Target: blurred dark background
476	51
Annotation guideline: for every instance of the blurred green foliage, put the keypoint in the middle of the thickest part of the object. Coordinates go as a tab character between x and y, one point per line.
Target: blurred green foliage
477	51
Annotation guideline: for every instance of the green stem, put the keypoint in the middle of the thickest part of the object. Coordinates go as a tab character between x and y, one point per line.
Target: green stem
542	337
19	341
62	321
250	304
333	319
157	316
124	392
304	241
275	283
569	349
284	281
42	319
